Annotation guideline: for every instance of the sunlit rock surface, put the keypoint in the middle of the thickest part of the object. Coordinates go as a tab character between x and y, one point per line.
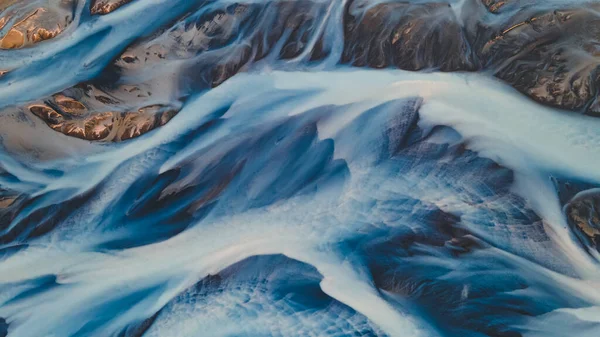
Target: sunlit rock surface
106	6
295	168
411	36
72	118
551	56
546	51
582	214
24	23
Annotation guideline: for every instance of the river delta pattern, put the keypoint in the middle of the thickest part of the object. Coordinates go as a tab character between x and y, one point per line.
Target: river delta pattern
206	168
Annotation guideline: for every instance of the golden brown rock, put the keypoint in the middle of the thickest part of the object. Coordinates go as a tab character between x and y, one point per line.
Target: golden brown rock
582	214
6	202
93	128
35	25
99	126
410	36
110	126
135	124
12	39
102	7
4	4
584	224
47	114
494	6
522	33
551	56
69	105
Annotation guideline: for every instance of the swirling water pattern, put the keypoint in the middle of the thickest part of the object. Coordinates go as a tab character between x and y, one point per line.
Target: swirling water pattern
287	187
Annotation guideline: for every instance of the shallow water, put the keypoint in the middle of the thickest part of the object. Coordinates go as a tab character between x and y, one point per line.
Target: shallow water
215	168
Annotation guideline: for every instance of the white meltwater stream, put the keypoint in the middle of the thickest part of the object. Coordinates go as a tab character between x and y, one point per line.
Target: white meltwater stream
315	228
